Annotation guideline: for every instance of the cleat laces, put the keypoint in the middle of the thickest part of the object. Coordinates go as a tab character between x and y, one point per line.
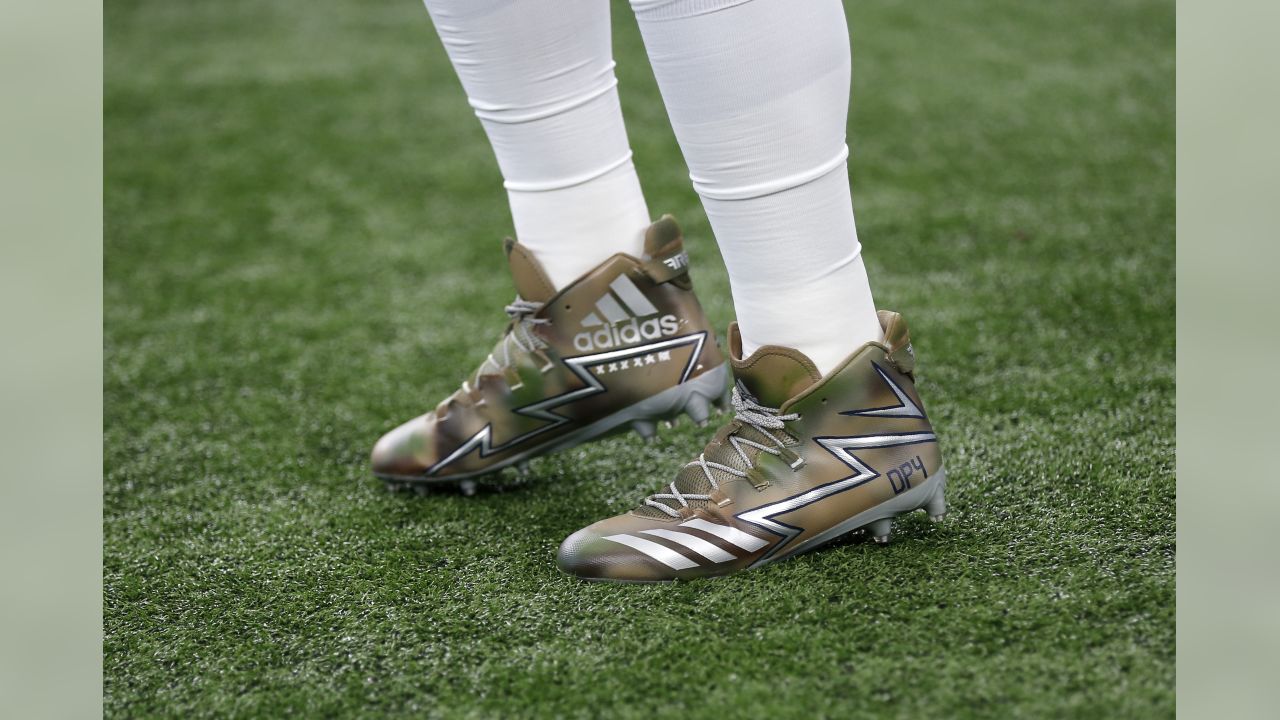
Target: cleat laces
522	313
748	412
520	333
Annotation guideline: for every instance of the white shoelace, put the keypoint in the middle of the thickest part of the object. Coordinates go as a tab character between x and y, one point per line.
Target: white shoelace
749	412
522	313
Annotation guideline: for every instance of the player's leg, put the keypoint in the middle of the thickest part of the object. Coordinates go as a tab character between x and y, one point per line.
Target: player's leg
758	95
605	331
829	434
539	75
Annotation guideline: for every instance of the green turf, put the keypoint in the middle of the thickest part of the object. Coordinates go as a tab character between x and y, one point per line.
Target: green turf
302	249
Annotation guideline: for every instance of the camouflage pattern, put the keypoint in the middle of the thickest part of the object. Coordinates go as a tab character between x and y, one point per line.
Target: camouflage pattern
856	450
568	365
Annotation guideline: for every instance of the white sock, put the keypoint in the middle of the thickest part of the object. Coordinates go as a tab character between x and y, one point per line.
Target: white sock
758	94
539	74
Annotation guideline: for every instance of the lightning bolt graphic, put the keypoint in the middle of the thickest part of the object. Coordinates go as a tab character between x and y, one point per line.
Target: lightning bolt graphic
841	447
579	366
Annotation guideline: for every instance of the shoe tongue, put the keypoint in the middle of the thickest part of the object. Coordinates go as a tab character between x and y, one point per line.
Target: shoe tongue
660	234
530	279
773	374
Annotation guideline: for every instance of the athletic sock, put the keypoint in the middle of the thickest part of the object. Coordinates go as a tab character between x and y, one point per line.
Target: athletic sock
539	74
758	95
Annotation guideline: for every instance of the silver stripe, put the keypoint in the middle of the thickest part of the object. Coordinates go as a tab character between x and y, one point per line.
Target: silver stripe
696	544
611	309
875	441
906	407
746	541
661	553
631	295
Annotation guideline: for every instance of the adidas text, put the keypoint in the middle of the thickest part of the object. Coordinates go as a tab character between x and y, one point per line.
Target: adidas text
626	333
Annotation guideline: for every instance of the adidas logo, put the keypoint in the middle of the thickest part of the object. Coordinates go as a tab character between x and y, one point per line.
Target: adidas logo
623	316
733	540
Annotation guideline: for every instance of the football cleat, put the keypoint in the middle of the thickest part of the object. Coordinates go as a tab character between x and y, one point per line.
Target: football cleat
625	345
804	460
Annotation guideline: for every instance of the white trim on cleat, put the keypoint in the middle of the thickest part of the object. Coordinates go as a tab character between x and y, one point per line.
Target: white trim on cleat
661	553
746	541
696	544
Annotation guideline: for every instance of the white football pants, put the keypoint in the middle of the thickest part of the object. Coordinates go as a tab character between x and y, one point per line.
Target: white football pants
757	92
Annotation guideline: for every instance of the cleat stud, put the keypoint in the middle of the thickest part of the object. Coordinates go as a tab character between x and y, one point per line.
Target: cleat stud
645	429
881	530
421	490
722	402
522	469
696	407
467	487
936	507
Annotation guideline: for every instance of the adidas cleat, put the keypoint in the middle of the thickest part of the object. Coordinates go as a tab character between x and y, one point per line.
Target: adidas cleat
805	460
626	345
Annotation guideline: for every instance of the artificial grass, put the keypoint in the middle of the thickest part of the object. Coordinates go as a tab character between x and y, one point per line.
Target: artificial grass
302	249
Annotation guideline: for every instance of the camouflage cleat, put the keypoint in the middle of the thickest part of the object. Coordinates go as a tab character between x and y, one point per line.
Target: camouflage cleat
627	344
805	460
